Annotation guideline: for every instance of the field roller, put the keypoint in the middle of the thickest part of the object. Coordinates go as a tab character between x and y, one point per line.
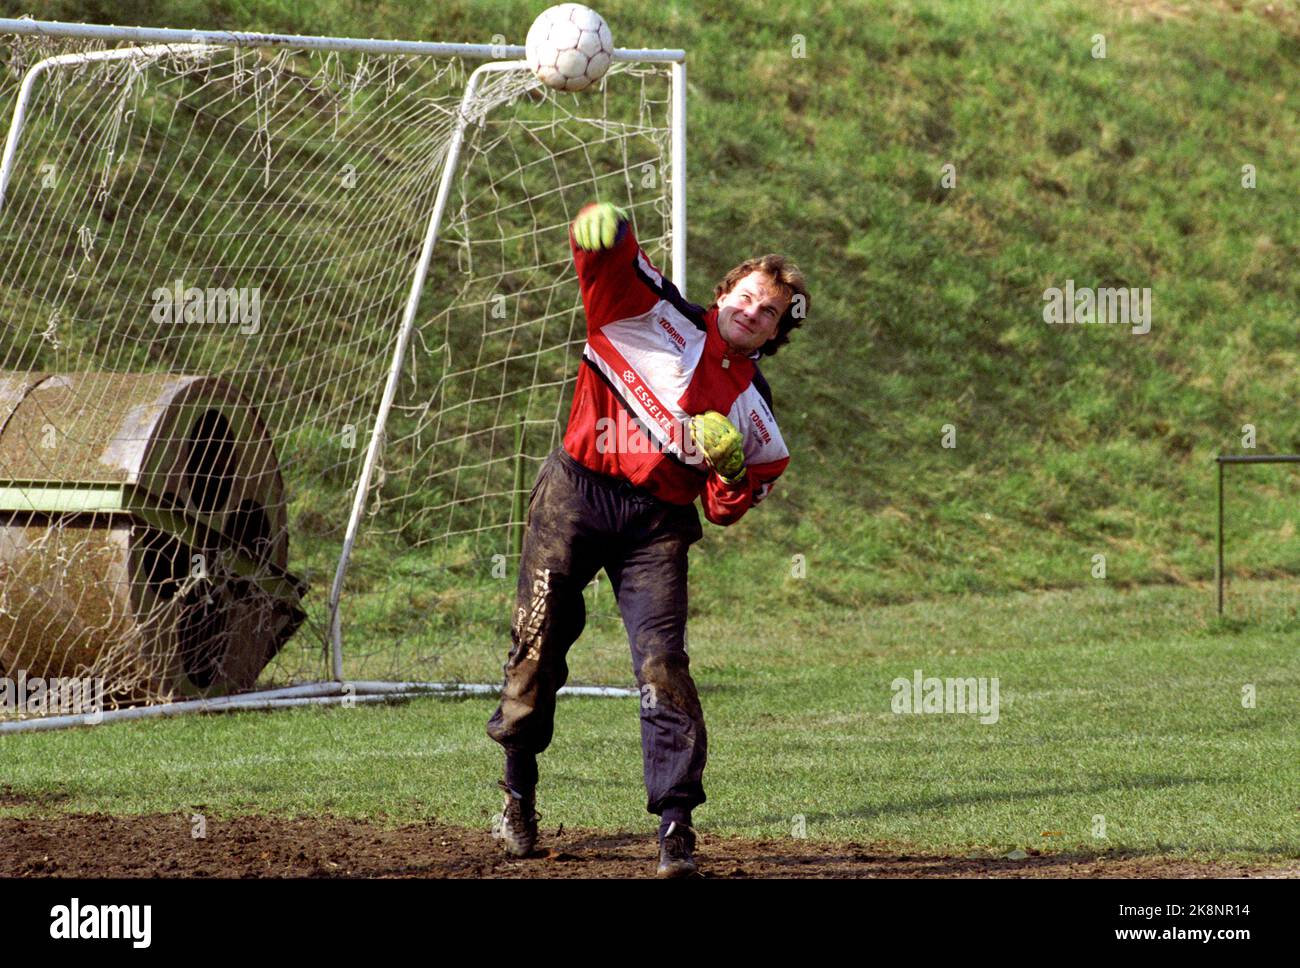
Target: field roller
143	534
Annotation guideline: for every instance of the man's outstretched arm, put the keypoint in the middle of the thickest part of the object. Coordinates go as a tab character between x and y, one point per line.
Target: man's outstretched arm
605	254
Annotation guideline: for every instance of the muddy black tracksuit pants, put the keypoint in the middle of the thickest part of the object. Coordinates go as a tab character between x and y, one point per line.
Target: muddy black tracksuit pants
580	521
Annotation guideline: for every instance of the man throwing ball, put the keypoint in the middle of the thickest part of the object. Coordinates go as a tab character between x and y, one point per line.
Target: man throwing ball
669	406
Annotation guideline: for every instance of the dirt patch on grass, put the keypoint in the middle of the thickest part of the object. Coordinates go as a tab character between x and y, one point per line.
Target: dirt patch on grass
9	797
1277	12
99	845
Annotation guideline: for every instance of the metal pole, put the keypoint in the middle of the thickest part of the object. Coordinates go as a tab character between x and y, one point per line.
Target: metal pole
234	38
679	174
1219	577
399	352
1259	459
1218	567
331	693
517	517
29	84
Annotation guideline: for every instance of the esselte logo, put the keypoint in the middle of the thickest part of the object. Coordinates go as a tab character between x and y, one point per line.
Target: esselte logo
760	426
75	921
629	376
673	335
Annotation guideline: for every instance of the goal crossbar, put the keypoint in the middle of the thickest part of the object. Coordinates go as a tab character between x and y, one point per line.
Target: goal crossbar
236	38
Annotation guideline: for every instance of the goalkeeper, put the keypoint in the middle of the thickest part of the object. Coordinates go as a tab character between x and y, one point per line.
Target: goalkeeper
669	406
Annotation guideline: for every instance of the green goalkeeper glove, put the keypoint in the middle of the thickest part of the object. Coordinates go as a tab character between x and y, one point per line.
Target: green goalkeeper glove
722	444
597	226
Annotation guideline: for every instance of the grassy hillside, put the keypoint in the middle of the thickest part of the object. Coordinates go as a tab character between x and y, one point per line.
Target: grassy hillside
1126	170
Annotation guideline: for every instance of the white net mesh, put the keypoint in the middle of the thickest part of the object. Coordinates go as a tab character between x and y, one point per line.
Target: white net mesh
206	258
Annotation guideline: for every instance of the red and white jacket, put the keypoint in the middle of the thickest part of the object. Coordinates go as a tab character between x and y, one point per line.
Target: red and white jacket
652	360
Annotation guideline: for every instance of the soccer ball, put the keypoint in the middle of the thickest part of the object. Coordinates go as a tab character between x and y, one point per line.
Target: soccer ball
569	47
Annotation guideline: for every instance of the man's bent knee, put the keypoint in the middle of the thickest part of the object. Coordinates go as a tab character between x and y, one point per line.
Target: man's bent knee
666	678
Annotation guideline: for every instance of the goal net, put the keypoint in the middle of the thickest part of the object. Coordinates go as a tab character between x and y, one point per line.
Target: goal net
208	253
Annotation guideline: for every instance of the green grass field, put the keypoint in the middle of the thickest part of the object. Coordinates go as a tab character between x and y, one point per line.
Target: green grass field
1127	705
1120	697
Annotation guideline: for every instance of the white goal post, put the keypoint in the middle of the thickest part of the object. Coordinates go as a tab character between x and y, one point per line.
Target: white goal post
230	263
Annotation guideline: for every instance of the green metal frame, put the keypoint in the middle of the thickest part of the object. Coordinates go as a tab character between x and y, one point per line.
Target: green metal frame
1223	460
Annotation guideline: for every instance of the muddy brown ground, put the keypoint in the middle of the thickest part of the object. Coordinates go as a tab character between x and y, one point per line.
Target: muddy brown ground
99	845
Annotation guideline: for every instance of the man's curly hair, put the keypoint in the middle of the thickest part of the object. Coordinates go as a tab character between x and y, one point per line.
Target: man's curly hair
788	280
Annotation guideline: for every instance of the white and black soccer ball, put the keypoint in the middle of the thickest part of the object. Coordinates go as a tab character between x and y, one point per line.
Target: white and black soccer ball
569	47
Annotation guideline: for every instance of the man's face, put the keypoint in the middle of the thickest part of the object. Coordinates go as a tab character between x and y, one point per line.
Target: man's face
747	316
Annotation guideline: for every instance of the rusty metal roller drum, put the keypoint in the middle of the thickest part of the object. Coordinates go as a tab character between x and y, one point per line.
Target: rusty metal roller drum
143	534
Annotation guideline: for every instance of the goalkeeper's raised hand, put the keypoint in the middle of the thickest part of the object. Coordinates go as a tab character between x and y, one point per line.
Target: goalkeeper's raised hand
722	444
596	226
